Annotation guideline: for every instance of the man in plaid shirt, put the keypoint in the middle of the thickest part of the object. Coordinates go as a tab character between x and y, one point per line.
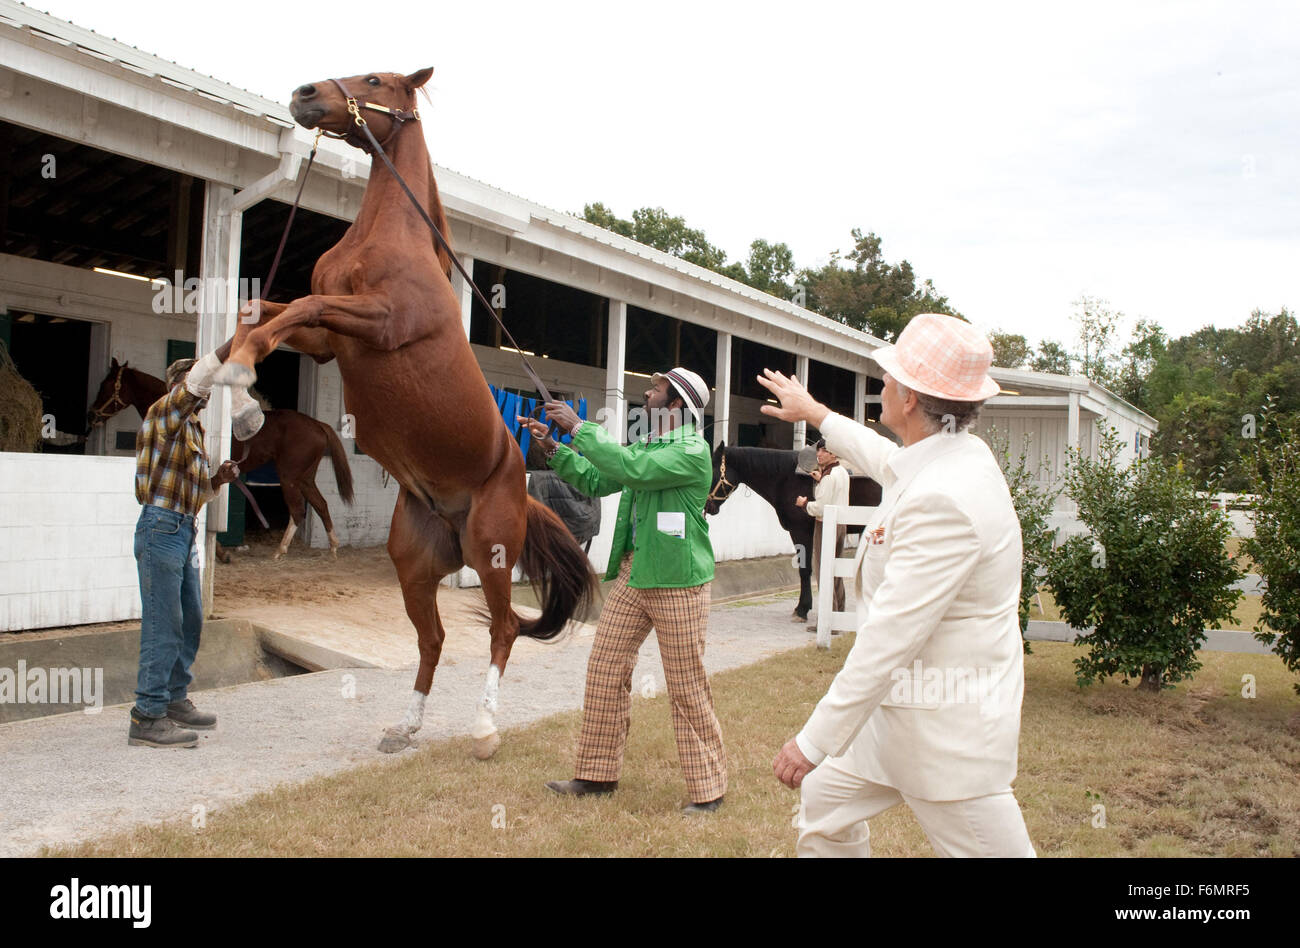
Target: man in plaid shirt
172	484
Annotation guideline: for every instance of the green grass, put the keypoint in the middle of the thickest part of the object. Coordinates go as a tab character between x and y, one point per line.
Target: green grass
1196	771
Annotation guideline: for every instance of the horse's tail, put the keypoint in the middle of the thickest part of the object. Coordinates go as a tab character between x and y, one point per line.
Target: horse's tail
553	561
339	458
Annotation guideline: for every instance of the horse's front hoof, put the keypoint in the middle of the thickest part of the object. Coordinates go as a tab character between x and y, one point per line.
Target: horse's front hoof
234	374
395	739
277	554
247	423
797	617
485	747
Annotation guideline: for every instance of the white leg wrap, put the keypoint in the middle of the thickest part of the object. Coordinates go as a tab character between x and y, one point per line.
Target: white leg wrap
289	532
199	379
490	688
414	714
484	724
245	413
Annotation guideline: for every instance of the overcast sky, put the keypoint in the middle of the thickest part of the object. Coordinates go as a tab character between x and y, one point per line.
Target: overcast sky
1017	154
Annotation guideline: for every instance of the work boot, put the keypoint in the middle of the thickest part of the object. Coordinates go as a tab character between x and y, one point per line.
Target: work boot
581	788
158	732
185	714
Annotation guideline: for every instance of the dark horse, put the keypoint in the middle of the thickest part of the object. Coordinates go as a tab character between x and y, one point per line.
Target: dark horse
773	474
294	441
382	304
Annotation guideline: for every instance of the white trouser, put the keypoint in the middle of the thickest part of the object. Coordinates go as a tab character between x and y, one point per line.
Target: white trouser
837	802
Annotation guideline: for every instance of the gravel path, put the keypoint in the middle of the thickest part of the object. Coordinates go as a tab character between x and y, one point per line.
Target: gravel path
72	777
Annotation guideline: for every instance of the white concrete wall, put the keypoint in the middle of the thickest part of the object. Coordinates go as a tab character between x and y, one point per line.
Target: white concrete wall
135	333
67	528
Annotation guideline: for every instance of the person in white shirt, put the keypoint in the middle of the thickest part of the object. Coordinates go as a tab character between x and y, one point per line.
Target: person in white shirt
926	709
832	490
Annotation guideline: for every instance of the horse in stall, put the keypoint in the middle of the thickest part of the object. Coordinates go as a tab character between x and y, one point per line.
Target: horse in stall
774	475
382	304
294	441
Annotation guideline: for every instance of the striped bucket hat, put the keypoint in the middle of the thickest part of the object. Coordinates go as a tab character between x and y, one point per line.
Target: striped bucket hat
690	386
941	356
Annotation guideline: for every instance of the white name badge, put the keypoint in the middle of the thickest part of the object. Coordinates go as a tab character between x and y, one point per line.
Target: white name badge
672	523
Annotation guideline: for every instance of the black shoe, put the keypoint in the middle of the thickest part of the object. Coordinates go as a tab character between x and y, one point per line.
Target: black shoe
158	732
702	807
580	788
185	714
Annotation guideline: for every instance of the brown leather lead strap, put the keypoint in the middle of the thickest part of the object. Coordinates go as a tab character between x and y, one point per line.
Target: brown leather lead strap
248	493
293	211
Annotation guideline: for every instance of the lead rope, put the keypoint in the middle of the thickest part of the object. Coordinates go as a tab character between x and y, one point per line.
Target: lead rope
355	112
266	292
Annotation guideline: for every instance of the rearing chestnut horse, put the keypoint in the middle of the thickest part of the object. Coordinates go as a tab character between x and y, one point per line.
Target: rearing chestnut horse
382	304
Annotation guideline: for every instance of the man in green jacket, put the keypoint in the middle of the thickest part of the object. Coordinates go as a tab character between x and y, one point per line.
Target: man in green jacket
662	562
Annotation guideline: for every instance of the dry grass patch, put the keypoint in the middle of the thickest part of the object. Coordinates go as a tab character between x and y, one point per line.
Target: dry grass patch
1244	615
1195	771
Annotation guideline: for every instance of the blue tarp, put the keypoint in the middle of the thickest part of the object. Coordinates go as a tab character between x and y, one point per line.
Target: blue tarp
511	406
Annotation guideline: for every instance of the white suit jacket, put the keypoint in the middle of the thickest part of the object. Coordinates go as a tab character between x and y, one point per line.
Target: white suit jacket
928	700
831	490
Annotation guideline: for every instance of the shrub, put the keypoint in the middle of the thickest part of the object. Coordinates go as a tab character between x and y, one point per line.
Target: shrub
1152	575
1274	463
1034	507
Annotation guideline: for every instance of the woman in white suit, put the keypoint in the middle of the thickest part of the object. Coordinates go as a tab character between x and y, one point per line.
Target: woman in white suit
926	709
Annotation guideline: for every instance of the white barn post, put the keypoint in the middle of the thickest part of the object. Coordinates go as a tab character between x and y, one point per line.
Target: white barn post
860	398
1072	423
218	270
801	427
722	390
615	365
464	291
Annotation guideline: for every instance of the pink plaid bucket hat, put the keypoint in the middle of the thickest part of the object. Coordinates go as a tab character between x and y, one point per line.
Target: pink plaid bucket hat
941	356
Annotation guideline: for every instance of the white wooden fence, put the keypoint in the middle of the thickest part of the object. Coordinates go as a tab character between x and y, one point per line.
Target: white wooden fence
828	621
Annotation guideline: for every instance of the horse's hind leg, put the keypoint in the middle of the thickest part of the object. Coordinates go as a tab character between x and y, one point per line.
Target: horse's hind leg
424	548
297	513
492	541
313	495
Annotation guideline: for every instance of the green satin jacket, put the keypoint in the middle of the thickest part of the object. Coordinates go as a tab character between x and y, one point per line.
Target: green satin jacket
665	483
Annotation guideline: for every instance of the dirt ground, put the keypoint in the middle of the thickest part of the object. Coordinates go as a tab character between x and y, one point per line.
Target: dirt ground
352	603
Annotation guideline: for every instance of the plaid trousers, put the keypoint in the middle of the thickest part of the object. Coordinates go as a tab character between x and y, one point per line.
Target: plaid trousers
680	619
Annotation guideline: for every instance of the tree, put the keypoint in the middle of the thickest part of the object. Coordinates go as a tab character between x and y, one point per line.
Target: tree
1137	361
1097	325
1152	574
770	268
1051	357
860	288
1275	547
655	227
863	290
1034	506
1010	350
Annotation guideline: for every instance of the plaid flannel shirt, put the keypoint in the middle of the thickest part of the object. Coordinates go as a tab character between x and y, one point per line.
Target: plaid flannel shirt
171	465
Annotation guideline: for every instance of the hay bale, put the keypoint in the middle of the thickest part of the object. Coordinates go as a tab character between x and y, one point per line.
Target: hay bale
20	408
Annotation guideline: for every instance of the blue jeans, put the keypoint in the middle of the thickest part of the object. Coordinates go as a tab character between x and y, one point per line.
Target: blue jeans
171	608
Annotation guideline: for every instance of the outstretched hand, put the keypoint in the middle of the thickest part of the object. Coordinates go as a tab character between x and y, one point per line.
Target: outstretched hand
540	432
796	403
565	418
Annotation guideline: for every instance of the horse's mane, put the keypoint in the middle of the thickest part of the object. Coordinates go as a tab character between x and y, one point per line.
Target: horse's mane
440	218
772	462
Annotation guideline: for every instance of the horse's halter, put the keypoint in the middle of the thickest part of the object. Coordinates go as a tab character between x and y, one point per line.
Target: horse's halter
722	481
102	412
399	116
